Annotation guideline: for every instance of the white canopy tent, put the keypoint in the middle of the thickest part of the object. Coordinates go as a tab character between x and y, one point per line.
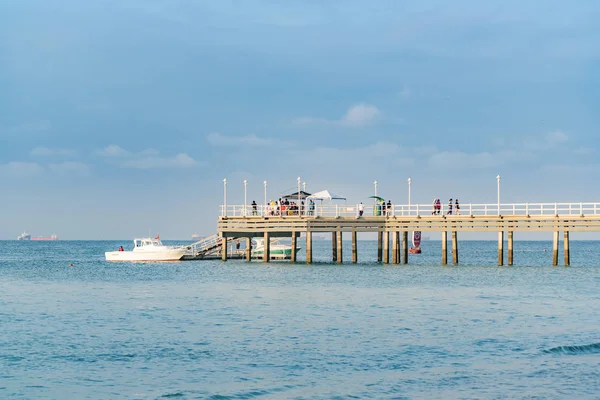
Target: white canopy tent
325	195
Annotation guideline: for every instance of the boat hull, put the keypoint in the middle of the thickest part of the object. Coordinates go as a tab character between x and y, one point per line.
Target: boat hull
275	254
415	251
145	256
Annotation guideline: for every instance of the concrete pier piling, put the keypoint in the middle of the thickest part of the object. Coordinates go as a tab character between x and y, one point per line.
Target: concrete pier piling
354	248
510	247
248	249
555	248
395	247
501	248
386	247
334	252
567	250
267	249
340	253
294	247
309	247
404	247
379	246
223	248
454	248
444	247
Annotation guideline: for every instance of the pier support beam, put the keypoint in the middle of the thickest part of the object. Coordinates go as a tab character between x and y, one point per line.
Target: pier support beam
454	248
395	241
354	249
223	248
555	248
340	253
379	246
501	248
334	246
294	247
267	250
386	247
444	247
405	247
309	247
510	247
248	249
567	250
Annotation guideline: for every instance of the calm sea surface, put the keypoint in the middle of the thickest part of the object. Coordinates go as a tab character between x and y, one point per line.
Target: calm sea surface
238	330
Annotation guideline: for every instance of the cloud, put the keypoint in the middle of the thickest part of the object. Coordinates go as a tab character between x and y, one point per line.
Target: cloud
218	139
113	151
49	152
70	168
21	169
181	160
357	115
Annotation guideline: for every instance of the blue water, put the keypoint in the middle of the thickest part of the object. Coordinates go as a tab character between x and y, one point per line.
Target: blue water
237	330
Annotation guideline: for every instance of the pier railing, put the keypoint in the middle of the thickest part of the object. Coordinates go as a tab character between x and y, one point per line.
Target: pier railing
413	210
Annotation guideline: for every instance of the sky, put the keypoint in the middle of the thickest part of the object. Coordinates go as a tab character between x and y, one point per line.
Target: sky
123	117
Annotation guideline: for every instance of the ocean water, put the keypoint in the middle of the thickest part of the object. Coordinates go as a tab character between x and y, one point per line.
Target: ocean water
238	330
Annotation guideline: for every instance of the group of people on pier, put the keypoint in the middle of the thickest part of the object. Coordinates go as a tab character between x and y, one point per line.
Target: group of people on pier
437	207
283	207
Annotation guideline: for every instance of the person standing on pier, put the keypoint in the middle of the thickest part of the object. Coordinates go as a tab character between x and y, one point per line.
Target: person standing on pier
254	212
434	206
361	209
456	208
389	208
450	207
439	206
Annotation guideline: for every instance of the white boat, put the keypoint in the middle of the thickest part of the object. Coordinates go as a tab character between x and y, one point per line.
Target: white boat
24	236
277	251
147	249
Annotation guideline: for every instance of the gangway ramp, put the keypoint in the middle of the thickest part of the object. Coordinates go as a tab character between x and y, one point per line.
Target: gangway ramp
205	247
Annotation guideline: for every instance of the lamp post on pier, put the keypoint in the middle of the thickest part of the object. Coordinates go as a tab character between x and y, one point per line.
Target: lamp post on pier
245	201
375	184
409	181
304	186
225	197
498	180
298	205
265	203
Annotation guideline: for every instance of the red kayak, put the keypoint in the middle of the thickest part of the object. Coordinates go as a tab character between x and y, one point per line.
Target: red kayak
414	251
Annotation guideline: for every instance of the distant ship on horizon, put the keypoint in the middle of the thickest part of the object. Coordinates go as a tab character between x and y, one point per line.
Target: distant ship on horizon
27	236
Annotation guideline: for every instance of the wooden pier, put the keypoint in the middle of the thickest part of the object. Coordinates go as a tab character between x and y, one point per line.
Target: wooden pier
553	218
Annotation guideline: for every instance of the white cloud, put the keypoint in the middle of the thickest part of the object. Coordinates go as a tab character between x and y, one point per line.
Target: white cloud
70	168
21	169
218	139
181	160
49	152
113	151
357	115
556	137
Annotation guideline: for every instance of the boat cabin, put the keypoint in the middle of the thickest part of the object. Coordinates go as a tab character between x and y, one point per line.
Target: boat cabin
146	242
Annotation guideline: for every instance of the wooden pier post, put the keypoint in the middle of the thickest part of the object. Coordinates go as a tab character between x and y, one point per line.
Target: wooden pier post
454	248
354	249
223	248
501	248
294	247
334	246
566	249
248	249
309	247
444	247
340	253
386	247
405	247
510	247
379	246
395	240
267	248
555	248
